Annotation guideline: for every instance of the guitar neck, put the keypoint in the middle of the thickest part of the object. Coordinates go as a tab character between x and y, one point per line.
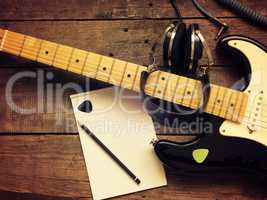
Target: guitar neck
223	102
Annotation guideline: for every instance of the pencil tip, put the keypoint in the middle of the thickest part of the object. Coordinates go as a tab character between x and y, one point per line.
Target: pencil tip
137	181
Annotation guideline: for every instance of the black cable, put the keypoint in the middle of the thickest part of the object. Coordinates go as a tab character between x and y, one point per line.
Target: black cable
177	11
207	14
245	12
223	26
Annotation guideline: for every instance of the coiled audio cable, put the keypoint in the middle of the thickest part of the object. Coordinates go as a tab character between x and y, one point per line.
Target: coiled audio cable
246	12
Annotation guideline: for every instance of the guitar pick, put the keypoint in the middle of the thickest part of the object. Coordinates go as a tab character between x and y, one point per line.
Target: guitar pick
200	155
86	106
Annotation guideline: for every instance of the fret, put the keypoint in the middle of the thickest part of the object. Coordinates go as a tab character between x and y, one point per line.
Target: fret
31	48
84	63
187	99
213	94
39	50
231	105
77	61
124	70
170	87
135	76
237	107
166	85
155	83
215	100
219	101
243	107
225	102
62	57
3	34
55	54
13	43
91	65
116	72
47	52
70	57
197	95
111	69
176	87
22	46
151	83
179	92
184	92
137	80
129	76
196	92
104	68
162	84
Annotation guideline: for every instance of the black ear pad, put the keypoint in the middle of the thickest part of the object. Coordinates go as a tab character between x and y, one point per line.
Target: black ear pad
173	49
193	49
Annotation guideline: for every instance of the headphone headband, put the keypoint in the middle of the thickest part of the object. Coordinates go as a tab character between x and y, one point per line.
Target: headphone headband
206	48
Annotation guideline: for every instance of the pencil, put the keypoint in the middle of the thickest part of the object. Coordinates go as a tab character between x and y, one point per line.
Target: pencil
123	167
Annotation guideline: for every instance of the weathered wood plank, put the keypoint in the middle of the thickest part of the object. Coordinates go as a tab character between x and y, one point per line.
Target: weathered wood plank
54	166
23	109
129	40
97	9
29	196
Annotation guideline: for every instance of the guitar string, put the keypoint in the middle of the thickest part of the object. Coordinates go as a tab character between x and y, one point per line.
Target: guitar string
217	106
65	60
45	57
21	48
257	125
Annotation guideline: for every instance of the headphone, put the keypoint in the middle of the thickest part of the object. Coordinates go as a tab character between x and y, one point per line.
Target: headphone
183	47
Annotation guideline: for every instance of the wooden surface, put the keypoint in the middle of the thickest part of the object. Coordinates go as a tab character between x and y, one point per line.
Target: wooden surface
40	153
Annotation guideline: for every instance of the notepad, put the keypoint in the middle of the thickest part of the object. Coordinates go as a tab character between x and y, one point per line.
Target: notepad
119	121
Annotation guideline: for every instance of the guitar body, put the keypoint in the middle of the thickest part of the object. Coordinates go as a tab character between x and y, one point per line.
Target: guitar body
240	146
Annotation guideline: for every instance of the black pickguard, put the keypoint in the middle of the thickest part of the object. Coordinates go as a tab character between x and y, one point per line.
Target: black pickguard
224	153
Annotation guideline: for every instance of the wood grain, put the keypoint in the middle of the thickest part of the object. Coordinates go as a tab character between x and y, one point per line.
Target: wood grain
129	40
40	154
54	166
118	9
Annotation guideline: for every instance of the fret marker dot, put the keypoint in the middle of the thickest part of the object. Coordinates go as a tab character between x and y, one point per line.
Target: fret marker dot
188	92
218	101
159	91
46	52
232	105
77	61
163	78
104	68
129	75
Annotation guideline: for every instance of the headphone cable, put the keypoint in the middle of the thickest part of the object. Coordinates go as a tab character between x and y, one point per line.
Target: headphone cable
177	11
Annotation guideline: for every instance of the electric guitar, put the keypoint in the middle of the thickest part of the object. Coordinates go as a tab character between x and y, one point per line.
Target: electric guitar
242	115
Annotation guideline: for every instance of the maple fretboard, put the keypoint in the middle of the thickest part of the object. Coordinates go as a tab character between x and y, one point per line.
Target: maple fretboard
223	102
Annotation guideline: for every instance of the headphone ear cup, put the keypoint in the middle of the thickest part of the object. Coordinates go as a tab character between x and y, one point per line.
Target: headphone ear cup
166	43
193	49
173	51
177	51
